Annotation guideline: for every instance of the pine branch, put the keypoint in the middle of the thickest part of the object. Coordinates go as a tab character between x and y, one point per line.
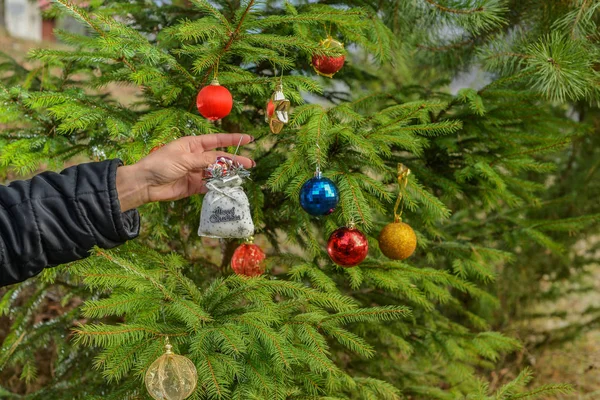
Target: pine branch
578	17
447	47
232	37
129	267
454	10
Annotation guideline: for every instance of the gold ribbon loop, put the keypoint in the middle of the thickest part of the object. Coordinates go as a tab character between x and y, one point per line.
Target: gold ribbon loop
403	173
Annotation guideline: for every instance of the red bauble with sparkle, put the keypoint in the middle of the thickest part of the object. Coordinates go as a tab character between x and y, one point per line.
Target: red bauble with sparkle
248	260
347	247
214	101
326	65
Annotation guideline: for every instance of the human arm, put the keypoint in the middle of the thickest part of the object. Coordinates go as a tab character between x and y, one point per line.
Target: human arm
55	218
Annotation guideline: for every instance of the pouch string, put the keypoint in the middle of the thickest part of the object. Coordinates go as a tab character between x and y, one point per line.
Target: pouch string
224	192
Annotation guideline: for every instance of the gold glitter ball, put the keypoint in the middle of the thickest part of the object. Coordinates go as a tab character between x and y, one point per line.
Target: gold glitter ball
397	241
171	377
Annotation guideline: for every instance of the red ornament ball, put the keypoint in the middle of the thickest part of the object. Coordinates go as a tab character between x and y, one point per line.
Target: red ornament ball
327	65
214	101
347	247
248	260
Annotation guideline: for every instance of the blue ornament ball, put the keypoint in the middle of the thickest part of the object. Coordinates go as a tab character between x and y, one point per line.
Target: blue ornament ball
319	196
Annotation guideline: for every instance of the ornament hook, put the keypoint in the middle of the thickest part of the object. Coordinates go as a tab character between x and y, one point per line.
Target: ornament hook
318	161
238	147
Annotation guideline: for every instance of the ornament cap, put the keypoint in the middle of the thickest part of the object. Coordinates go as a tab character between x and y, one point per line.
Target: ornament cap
215	82
168	347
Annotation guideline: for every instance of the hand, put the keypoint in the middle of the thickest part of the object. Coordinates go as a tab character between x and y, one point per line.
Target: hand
176	170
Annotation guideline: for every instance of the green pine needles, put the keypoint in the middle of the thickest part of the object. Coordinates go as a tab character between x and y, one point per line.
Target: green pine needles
484	163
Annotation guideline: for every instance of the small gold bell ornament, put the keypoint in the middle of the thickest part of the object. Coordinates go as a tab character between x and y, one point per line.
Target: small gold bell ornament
171	376
398	240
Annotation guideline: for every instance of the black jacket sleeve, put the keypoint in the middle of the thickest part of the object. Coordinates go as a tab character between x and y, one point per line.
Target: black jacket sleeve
55	218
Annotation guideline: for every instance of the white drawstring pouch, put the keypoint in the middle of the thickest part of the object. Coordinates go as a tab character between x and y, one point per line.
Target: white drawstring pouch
225	209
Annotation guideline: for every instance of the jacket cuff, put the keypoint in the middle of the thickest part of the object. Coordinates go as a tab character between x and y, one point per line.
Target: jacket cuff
127	224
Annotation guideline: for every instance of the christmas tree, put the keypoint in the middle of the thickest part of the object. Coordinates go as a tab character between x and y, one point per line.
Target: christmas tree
480	160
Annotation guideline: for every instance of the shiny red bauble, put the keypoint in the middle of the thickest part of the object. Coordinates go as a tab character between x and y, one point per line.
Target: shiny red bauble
214	101
248	260
347	247
326	65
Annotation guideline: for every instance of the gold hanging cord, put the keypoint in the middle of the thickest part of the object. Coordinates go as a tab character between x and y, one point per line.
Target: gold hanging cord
403	173
216	72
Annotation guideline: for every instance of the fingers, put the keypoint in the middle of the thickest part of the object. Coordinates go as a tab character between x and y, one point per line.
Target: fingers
201	161
212	141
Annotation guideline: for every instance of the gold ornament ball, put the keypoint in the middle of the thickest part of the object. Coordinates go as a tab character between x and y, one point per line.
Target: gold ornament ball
171	377
397	241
